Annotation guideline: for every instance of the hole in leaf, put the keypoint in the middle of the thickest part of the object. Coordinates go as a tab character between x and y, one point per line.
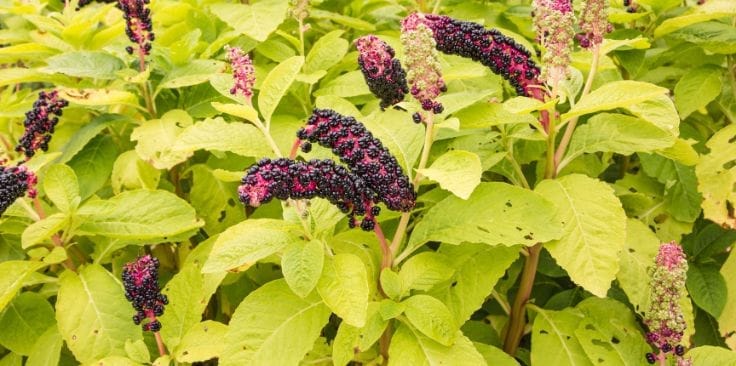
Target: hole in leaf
615	340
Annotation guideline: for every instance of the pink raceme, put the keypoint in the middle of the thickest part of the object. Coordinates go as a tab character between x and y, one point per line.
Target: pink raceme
40	123
422	63
383	73
244	75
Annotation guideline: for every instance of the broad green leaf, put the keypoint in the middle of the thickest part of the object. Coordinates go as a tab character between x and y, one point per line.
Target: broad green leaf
276	83
215	201
12	276
697	88
713	36
156	139
659	111
97	97
326	52
24	321
243	111
202	342
61	187
85	64
193	73
268	320
391	284
425	270
399	135
615	94
118	361
139	216
717	178
11	359
93	165
411	347
247	242
88	132
17	75
131	172
709	10
44	229
553	336
482	115
457	171
343	287
355	23
681	194
256	21
187	301
216	134
351	340
707	288
431	317
350	84
727	319
608	132
636	258
302	266
594	230
477	269
137	351
47	349
496	213
25	51
712	355
495	356
93	315
615	340
681	152
610	45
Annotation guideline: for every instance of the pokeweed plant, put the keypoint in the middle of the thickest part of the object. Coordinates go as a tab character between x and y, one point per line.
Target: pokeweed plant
368	182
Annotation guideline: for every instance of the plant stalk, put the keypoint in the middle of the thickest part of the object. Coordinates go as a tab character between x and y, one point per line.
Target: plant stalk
517	320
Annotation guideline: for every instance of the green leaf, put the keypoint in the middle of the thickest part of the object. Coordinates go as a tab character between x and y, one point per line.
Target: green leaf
87	133
85	64
425	270
276	83
12	276
243	111
249	241
713	36
615	94
456	171
93	165
24	321
712	355
431	317
727	319
137	351
707	288
216	134
256	21
202	342
638	255
47	349
681	192
187	301
608	132
326	52
410	347
350	84
270	318
355	23
594	230
391	284
483	115
477	269
351	340
215	201
553	336
156	139
131	172
697	88
302	266
496	213
399	135
343	287
61	187
710	10
193	73
139	216
44	229
93	316
717	178
495	356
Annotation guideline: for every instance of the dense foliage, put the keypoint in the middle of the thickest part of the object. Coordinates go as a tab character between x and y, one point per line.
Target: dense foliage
274	182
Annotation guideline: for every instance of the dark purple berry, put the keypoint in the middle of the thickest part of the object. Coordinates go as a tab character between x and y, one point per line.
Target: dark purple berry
140	279
666	348
651	358
417	117
382	72
306	147
40	123
680	350
138	25
15	182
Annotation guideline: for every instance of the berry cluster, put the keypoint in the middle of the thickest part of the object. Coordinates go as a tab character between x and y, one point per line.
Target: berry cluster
364	154
140	279
14	183
83	3
593	23
244	75
664	318
138	26
488	46
40	123
423	64
382	72
284	179
553	23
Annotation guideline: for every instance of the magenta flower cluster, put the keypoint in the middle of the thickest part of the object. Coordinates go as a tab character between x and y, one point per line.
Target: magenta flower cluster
138	25
244	74
593	23
15	182
140	279
383	73
40	123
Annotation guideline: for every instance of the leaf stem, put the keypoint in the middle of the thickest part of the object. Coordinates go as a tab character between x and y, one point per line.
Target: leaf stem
386	257
68	263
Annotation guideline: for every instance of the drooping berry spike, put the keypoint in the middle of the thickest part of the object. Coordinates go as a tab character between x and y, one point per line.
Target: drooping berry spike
15	182
140	279
364	154
553	22
383	73
40	123
500	53
664	317
593	23
284	179
422	61
244	75
138	26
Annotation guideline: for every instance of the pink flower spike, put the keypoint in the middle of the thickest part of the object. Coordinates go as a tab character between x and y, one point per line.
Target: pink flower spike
244	74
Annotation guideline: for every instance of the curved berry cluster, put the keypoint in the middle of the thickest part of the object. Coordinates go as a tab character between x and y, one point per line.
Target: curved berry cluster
15	182
383	73
553	23
664	318
593	23
284	178
138	25
500	53
364	154
140	279
40	123
244	75
423	64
